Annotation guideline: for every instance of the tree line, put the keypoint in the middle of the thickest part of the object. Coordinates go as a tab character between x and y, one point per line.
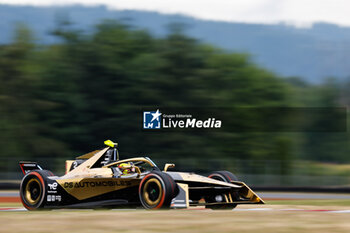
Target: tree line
64	99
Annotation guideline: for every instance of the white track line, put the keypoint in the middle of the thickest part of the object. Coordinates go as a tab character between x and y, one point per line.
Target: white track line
254	209
340	211
10	209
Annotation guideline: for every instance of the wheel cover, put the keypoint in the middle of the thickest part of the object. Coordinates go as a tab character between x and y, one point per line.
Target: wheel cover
152	192
33	191
217	177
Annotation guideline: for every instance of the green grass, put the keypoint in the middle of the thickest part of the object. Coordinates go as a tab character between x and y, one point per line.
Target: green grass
175	221
11	204
340	202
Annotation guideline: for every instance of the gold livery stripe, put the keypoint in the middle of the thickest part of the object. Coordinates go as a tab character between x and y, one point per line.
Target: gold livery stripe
90	187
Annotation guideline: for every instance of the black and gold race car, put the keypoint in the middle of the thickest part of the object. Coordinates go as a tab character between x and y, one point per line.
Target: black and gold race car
100	179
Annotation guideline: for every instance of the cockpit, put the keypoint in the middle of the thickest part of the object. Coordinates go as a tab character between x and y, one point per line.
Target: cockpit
132	168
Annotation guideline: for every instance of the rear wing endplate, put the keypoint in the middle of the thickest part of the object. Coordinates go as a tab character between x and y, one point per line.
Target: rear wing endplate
27	167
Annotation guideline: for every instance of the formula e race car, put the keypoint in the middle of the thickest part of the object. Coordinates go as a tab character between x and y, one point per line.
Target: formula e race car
100	179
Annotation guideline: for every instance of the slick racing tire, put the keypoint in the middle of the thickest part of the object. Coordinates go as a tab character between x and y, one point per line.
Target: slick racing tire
33	189
156	190
224	176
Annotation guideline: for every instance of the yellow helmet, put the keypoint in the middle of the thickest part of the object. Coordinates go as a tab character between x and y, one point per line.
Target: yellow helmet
125	167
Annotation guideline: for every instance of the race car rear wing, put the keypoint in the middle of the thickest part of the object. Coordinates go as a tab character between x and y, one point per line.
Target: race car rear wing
29	166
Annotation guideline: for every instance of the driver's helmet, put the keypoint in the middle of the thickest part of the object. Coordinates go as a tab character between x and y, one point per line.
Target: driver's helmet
126	168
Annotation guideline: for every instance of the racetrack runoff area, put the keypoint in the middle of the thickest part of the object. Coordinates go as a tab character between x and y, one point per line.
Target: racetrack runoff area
266	218
284	212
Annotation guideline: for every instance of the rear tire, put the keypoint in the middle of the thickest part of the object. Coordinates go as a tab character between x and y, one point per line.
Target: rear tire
33	189
227	177
156	190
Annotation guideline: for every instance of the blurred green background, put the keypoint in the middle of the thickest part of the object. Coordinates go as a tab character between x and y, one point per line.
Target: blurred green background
61	100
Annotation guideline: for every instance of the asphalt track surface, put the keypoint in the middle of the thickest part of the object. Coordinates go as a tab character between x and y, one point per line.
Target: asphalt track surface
13	196
325	210
263	195
302	196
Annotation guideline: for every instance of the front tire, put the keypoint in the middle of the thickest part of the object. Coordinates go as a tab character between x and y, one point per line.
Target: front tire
227	177
224	176
156	190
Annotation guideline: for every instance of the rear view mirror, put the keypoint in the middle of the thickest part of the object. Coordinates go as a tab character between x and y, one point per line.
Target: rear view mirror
168	165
